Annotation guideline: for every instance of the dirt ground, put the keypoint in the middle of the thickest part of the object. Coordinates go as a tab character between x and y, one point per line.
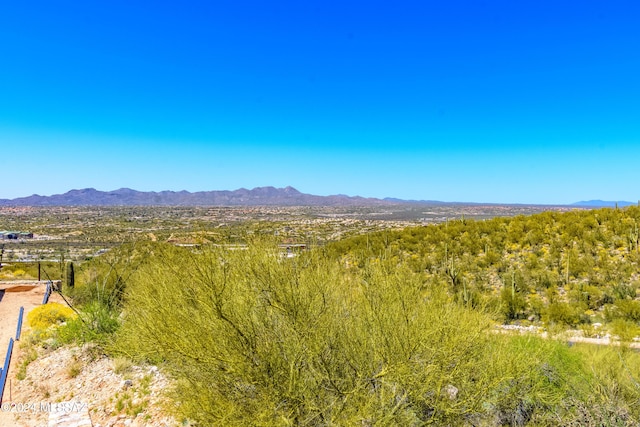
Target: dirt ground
13	296
79	375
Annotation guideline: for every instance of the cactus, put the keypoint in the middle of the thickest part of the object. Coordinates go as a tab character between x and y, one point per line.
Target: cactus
70	275
451	270
466	293
634	237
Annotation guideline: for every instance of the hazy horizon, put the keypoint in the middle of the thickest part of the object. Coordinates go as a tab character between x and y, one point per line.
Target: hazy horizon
500	102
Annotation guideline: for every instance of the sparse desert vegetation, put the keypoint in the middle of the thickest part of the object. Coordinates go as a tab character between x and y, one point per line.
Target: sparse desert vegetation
397	324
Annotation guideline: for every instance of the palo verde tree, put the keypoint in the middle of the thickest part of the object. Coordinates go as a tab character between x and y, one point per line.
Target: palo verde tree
254	338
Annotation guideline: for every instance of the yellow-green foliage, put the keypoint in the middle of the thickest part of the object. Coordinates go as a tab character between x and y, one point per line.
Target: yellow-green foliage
17	273
590	257
122	365
253	338
29	270
53	313
614	385
104	279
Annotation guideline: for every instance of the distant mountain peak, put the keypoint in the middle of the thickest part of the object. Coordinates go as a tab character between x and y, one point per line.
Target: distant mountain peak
602	203
265	196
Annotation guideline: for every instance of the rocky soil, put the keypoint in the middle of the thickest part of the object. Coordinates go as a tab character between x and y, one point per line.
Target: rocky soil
115	392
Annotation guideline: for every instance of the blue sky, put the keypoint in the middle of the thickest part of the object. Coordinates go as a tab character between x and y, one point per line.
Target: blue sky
480	101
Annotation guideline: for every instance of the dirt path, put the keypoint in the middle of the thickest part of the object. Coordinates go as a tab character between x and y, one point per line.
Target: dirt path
13	296
571	336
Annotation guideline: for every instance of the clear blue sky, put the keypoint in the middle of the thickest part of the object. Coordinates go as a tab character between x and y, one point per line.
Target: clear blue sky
483	101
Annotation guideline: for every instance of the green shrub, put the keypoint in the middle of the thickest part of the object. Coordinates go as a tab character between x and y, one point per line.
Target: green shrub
563	314
96	323
629	309
254	338
614	387
104	279
122	365
625	330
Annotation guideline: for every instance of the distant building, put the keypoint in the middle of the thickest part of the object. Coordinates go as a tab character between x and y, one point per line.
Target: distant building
292	249
15	235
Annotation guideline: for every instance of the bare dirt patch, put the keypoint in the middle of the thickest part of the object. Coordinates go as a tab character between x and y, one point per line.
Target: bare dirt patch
84	376
13	296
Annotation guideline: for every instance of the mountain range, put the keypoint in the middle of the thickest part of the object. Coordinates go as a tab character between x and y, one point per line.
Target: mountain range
259	196
602	204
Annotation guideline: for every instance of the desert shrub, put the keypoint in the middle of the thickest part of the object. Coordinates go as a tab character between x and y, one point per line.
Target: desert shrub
46	321
536	378
96	323
624	290
629	309
50	314
98	293
49	270
513	302
614	387
625	330
104	279
563	313
122	365
253	338
625	309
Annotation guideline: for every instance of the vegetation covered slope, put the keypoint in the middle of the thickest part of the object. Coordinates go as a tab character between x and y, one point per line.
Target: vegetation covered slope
254	338
570	268
393	328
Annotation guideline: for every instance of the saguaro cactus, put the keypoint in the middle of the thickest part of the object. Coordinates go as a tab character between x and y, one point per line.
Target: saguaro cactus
70	275
634	237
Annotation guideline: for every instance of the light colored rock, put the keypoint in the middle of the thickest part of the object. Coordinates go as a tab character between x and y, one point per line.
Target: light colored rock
452	391
69	414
